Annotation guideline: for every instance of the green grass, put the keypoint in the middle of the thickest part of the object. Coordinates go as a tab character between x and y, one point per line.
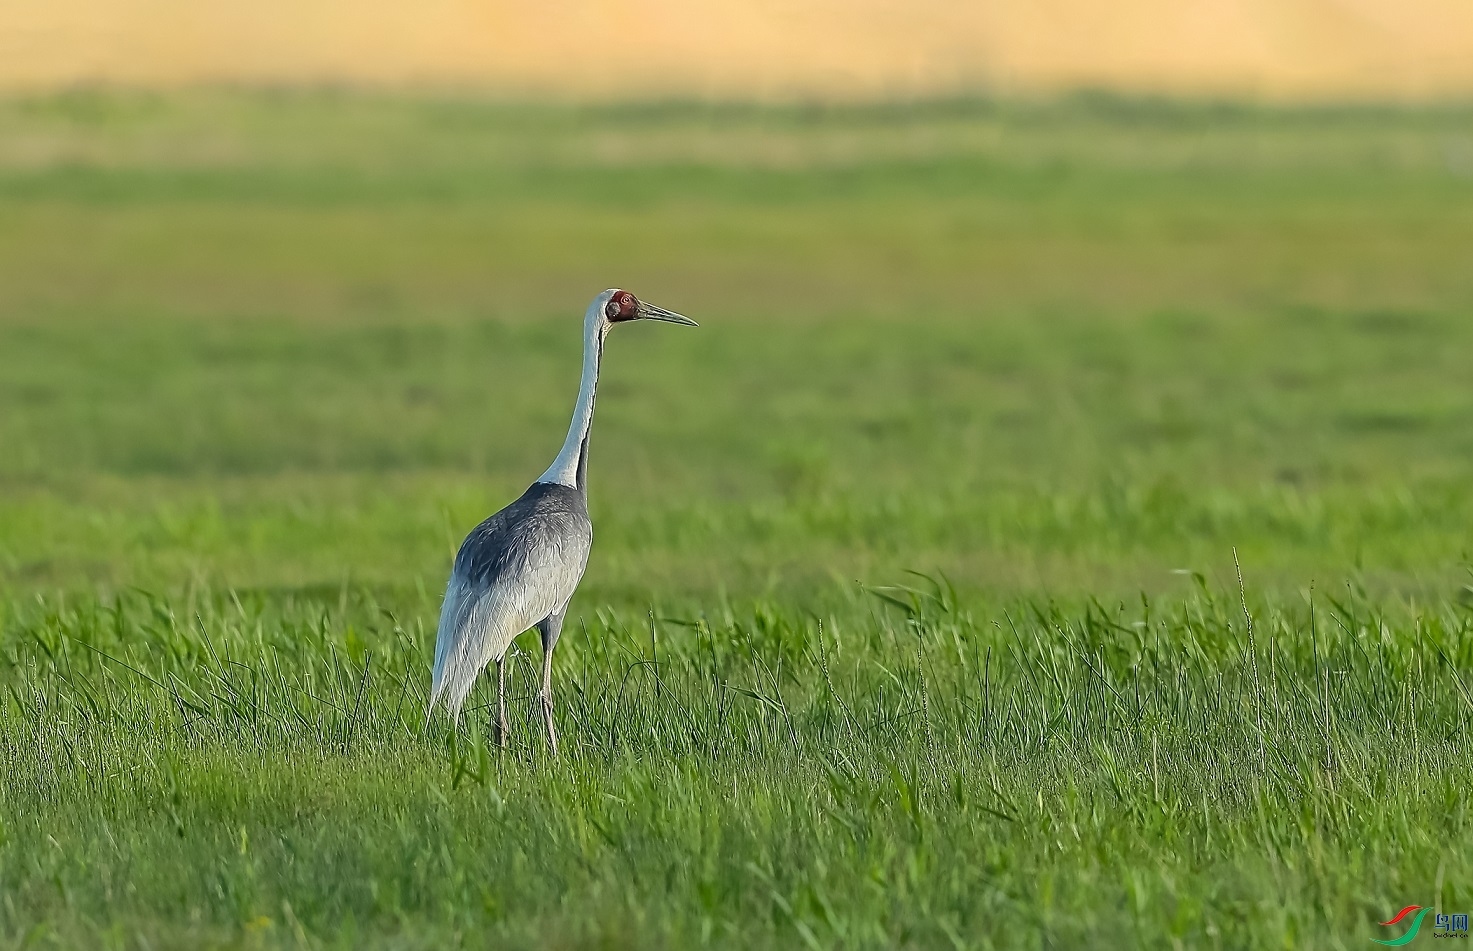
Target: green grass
266	357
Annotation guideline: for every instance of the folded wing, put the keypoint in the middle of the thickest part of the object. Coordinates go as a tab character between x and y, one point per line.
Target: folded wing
512	571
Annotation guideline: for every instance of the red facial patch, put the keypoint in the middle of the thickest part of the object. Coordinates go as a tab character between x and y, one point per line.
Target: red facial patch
622	306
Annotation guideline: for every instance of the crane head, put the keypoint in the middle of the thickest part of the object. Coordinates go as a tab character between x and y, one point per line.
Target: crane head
617	306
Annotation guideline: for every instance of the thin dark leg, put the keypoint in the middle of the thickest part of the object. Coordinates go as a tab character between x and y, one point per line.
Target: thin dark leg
501	730
550	629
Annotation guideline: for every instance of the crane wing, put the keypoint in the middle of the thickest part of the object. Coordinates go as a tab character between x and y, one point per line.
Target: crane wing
514	569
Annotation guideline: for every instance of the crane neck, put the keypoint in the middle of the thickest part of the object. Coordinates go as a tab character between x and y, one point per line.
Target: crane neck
570	468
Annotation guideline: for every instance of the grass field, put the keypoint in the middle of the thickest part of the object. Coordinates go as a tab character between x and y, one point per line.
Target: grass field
266	357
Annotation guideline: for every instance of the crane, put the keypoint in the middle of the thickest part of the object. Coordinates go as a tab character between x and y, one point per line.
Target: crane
519	568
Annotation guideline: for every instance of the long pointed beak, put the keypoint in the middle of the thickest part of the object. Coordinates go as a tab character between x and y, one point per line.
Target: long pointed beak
651	312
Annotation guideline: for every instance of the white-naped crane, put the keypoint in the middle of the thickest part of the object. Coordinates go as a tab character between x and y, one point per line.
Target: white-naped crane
519	568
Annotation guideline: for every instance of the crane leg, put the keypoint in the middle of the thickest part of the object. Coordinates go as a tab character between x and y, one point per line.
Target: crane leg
501	730
551	629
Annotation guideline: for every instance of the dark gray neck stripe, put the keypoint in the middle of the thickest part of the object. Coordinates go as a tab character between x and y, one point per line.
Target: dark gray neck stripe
581	481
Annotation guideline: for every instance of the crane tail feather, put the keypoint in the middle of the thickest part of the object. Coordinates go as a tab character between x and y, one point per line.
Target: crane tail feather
449	680
476	627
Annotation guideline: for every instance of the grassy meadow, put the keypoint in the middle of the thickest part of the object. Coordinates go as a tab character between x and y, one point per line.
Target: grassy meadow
914	616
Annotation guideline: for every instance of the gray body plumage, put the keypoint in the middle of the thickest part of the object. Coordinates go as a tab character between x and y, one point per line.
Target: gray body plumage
516	570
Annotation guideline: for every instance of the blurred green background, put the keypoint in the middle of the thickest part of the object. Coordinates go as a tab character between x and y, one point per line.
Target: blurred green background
285	339
267	356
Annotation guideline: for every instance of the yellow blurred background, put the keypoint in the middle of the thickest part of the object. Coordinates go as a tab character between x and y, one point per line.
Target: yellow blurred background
1275	49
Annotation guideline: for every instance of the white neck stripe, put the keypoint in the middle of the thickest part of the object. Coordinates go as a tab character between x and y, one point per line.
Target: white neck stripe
564	469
